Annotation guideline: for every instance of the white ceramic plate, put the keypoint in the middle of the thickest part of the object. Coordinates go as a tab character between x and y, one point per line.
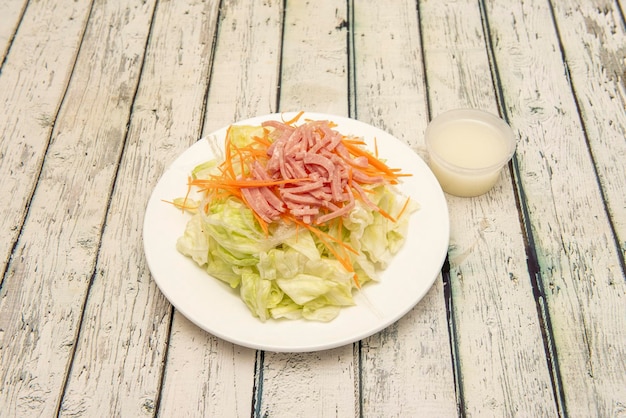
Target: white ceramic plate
216	308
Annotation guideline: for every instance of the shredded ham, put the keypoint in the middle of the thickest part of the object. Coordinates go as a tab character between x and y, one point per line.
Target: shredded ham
308	151
307	173
316	175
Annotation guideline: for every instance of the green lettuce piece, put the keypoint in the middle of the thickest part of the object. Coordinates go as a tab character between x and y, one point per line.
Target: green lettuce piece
205	169
378	238
260	295
242	135
287	309
320	312
194	243
289	273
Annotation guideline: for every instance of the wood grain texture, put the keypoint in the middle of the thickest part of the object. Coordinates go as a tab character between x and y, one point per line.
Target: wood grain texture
98	97
391	95
69	208
588	31
502	365
166	119
245	77
46	283
206	376
57	248
318	384
10	16
580	270
593	38
315	58
390	83
30	101
314	78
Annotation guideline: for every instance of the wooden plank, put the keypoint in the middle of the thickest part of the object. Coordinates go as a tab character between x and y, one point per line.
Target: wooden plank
583	277
315	58
119	373
314	78
595	49
243	78
406	369
502	369
10	15
47	281
205	375
30	101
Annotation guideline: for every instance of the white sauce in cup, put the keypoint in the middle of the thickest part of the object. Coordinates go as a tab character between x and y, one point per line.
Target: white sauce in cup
467	150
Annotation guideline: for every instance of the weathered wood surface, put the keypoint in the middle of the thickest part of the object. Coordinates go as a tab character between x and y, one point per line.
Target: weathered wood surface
52	266
30	101
134	324
578	263
501	359
391	94
96	99
10	16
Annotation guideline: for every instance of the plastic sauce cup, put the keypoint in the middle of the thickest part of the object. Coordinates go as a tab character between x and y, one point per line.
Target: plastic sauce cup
467	149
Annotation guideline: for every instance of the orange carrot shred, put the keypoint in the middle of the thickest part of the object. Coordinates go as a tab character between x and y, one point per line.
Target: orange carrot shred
235	175
406	205
294	119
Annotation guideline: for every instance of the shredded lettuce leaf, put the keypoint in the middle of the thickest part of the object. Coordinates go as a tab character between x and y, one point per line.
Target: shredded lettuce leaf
289	272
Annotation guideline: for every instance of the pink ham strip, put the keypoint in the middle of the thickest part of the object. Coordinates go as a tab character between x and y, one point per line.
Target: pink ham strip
360	162
365	179
259	173
300	199
321	161
305	211
364	197
307	187
273	200
314	151
255	199
339	212
297	167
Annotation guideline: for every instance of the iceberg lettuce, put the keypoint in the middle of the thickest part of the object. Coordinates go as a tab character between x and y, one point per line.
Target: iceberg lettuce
289	273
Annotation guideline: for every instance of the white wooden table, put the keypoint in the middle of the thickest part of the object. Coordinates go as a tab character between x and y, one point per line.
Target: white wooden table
528	316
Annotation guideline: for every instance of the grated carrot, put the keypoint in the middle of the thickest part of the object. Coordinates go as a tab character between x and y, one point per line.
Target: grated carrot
294	119
235	175
406	205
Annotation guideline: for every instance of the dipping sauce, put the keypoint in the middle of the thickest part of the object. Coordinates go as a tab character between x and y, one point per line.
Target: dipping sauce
467	150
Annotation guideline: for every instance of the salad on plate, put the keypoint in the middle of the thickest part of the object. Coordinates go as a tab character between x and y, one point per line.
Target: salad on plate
295	215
